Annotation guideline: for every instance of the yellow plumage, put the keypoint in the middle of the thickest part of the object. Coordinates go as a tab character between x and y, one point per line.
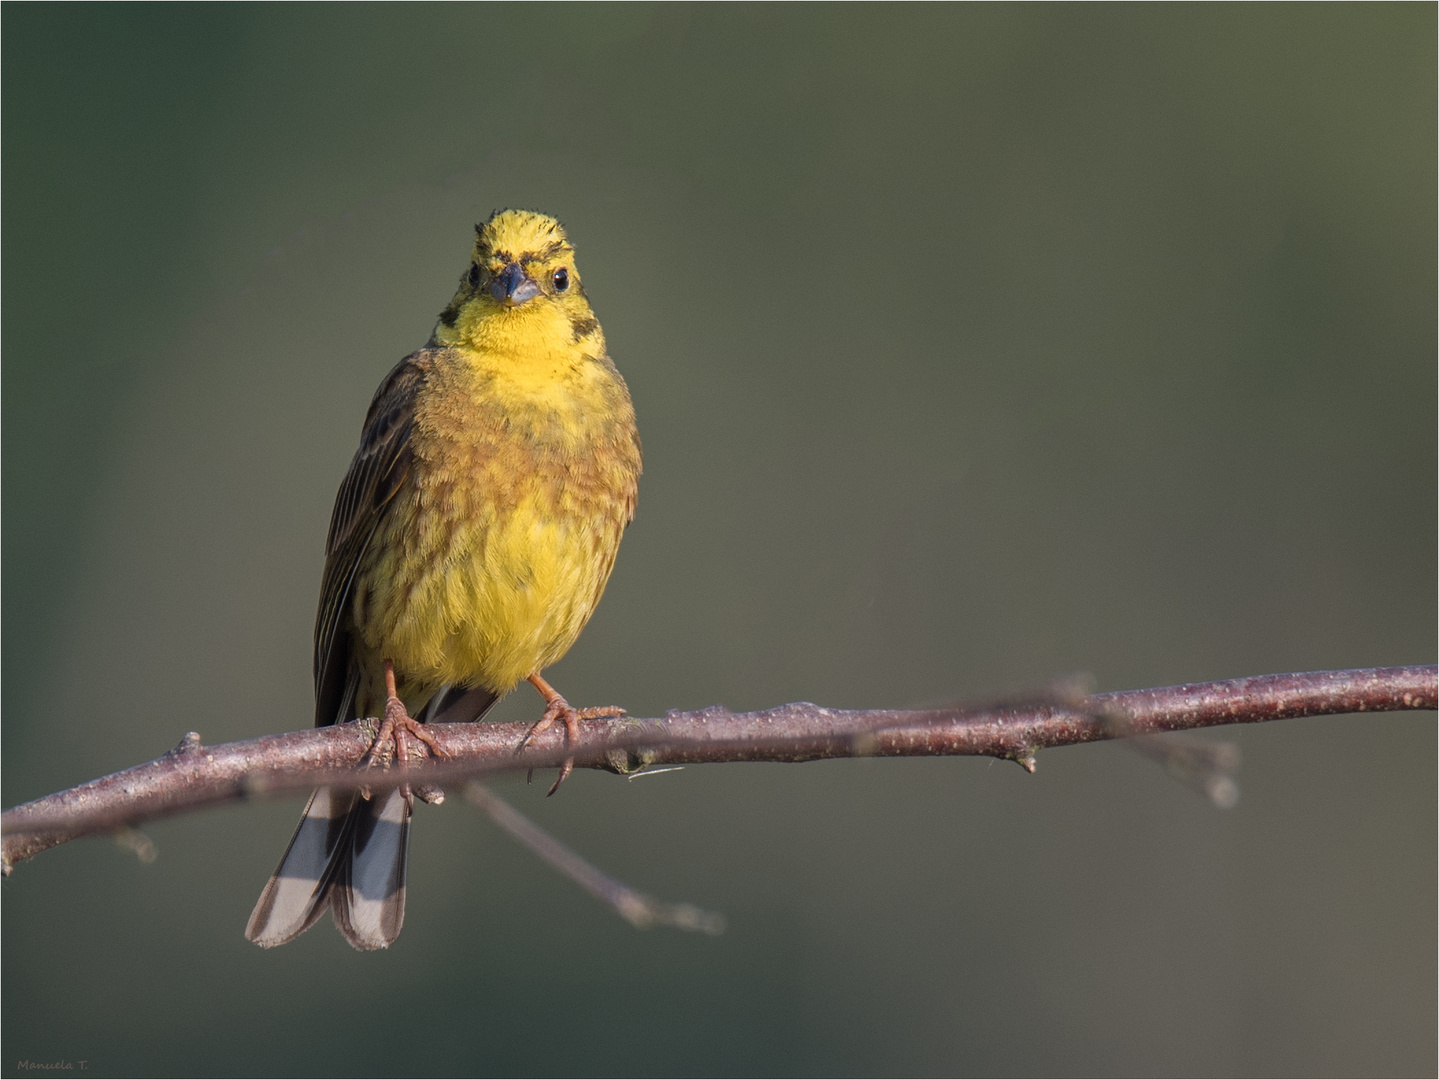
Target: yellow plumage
526	458
471	539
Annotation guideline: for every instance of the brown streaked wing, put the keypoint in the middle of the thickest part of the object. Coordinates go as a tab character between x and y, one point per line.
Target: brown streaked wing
378	470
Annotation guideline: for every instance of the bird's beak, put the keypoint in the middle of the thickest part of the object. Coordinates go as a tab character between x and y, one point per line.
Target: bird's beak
512	286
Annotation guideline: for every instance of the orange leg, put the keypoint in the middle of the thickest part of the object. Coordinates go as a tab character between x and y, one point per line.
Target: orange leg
398	725
557	708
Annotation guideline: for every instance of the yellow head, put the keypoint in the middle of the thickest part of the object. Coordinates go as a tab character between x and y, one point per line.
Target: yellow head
521	284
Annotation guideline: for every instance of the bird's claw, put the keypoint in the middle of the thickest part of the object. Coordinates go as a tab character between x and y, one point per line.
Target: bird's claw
397	727
557	708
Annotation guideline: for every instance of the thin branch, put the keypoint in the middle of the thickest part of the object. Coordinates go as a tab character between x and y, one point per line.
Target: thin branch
639	910
192	776
1207	767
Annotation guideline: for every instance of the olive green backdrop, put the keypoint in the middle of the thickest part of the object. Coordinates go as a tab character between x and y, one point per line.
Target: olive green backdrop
971	346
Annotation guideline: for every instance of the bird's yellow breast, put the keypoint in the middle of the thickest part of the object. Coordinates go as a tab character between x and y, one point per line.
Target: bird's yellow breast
498	547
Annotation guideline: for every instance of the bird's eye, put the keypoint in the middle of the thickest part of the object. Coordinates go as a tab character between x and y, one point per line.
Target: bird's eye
474	274
562	279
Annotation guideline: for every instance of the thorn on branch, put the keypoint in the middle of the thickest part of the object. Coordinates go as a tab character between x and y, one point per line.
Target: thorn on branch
190	744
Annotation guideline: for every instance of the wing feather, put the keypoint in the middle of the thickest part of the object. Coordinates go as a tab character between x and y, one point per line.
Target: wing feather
378	471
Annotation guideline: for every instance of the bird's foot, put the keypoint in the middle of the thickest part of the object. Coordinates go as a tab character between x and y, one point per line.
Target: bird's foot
557	708
397	727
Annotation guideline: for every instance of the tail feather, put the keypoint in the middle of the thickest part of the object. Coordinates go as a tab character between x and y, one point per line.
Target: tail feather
297	892
348	854
456	705
367	892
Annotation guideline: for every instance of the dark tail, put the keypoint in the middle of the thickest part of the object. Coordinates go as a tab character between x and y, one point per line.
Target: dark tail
348	855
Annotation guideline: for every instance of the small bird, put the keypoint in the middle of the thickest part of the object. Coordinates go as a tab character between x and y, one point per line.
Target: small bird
470	542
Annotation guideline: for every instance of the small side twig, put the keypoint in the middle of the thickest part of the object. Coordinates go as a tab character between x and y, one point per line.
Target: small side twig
1207	767
635	907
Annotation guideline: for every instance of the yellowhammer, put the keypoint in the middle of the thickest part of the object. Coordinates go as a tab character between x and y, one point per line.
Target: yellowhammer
470	542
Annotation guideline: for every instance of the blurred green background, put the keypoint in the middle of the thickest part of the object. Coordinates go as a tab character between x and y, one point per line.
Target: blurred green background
971	346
